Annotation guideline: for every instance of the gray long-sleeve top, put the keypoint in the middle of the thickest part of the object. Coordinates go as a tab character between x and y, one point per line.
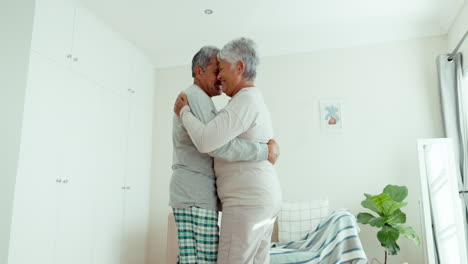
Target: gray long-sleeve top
193	181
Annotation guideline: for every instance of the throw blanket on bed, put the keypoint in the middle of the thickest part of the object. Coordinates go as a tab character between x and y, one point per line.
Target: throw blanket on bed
334	241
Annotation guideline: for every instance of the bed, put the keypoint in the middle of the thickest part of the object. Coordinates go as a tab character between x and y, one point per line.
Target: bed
304	233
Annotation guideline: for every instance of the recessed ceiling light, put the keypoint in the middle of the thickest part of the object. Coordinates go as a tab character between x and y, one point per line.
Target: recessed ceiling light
208	11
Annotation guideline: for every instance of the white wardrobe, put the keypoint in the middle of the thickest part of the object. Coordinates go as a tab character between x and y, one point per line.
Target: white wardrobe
82	189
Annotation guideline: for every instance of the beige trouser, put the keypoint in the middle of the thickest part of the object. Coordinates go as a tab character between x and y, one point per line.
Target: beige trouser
246	234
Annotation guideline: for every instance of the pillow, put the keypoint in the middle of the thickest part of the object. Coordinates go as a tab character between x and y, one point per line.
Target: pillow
295	220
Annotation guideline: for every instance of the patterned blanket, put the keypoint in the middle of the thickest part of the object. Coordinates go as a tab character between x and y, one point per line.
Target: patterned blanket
334	241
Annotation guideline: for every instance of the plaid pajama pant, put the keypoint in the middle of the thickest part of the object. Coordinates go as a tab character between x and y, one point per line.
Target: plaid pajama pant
198	234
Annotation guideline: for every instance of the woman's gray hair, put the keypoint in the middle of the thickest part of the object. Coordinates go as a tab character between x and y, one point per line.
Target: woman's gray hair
242	49
203	57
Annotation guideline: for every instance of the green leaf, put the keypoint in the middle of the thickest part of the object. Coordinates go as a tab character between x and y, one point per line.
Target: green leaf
396	193
392	249
388	235
389	207
369	204
374	202
378	222
407	232
364	218
378	199
398	217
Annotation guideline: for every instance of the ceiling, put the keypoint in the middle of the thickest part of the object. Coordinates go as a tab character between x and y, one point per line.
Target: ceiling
170	32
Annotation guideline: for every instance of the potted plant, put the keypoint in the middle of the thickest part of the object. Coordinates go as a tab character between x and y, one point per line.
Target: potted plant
332	115
390	219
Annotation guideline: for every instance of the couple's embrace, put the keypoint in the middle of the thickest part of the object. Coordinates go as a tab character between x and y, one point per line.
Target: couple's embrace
224	159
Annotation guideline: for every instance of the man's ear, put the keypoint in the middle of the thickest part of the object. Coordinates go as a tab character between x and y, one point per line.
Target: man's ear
198	71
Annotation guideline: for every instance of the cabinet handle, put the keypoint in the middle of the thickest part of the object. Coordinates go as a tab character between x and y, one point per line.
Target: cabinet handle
65	181
58	180
69	56
75	59
123	187
128	187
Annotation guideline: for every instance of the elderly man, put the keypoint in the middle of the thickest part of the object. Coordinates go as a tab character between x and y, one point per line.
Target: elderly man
193	194
250	192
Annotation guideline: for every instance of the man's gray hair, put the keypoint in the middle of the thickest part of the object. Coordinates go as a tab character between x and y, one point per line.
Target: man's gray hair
242	49
203	57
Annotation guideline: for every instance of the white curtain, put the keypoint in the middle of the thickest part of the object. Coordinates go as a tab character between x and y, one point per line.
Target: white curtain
454	105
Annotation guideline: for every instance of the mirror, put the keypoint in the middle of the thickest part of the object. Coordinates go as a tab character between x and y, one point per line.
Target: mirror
444	224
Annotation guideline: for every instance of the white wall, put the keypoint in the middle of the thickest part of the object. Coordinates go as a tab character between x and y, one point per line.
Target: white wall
16	19
390	99
456	32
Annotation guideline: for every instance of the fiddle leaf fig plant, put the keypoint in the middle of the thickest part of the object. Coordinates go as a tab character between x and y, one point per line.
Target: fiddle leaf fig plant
389	217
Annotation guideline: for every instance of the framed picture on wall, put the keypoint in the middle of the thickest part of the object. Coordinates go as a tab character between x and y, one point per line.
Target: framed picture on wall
331	115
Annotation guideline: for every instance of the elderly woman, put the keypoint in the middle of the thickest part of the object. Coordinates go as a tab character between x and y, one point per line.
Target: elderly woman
249	191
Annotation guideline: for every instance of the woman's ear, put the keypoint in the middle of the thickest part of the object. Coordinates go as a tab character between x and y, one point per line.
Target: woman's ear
240	67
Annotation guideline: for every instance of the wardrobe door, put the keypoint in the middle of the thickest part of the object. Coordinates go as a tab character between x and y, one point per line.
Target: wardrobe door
108	212
99	53
53	29
41	165
79	190
142	81
138	184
